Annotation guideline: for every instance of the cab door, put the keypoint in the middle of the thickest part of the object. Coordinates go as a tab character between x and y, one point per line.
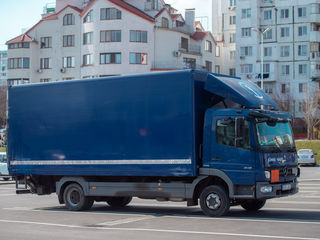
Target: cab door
231	149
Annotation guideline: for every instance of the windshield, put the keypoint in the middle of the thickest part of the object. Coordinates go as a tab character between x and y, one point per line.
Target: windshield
275	136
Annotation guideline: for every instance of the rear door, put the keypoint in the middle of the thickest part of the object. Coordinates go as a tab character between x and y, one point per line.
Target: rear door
232	154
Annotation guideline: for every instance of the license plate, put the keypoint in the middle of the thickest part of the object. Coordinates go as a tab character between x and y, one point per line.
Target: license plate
286	187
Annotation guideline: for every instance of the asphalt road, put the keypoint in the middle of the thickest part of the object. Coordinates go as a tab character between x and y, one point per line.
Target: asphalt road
41	217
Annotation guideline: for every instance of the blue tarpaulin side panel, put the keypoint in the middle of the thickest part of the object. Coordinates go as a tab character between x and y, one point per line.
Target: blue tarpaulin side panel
245	93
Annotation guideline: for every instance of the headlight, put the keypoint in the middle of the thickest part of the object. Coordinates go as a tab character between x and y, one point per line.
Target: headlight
267	174
266	189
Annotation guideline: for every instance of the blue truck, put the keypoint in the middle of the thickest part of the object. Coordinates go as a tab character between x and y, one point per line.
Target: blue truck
186	136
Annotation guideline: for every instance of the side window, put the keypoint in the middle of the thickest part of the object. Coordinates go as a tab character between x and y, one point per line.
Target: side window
234	133
225	132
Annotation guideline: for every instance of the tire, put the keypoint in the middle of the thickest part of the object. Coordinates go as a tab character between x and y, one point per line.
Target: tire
214	201
252	205
6	178
119	201
75	199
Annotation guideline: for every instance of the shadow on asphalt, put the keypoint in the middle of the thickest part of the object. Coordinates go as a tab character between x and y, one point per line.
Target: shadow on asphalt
269	214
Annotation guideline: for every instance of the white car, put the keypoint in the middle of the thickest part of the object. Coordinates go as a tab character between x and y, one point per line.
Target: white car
306	156
4	166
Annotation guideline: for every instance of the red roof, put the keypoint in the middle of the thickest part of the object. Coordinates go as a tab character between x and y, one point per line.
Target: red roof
21	38
199	35
125	6
175	16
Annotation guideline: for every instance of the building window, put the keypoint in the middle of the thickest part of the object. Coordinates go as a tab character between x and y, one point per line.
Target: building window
88	38
246	32
232	55
165	22
267	14
189	63
246	13
284	13
68	19
267	35
302	12
245	51
217	54
232	38
18	63
266	68
232	20
68	62
138	58
19	81
285	69
88	17
19	45
232	72
268	88
68	41
302	69
46	42
87	59
185	44
302	88
138	36
283	88
208	66
45	63
217	69
285	51
110	36
208	46
302	107
232	3
110	58
268	51
302	50
246	68
285	32
302	31
110	14
44	80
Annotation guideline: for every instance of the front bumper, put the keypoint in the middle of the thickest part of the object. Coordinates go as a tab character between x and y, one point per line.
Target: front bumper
275	190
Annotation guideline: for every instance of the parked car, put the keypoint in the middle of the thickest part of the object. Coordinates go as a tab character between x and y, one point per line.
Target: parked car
306	156
4	166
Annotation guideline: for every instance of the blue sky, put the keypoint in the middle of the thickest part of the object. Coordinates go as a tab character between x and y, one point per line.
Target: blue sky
16	15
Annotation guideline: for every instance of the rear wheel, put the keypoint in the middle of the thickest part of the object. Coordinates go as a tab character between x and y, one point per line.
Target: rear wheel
253	205
75	199
214	201
119	201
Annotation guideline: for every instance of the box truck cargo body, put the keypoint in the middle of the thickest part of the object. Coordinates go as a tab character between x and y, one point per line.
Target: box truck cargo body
183	135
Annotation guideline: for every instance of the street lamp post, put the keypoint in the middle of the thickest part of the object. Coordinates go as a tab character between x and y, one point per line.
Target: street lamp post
261	32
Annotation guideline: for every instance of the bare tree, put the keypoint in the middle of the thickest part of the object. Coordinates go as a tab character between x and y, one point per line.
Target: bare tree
311	110
3	106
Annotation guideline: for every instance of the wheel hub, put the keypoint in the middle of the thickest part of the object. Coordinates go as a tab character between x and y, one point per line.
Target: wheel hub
213	201
74	197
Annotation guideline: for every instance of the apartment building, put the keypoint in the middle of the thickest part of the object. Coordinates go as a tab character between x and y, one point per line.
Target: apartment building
290	47
3	67
99	38
224	32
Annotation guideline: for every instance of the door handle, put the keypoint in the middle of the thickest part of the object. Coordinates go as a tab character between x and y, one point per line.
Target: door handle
216	159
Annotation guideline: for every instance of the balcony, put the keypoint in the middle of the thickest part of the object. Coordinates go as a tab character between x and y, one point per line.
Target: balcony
315	56
176	65
315	17
315	36
191	49
315	73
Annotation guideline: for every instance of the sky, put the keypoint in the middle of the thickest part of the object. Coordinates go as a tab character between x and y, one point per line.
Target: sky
16	15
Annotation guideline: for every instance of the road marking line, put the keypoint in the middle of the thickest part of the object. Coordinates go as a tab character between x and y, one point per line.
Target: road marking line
294	202
188	216
159	230
124	221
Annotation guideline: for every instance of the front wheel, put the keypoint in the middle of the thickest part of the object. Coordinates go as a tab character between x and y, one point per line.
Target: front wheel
75	199
214	201
252	205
